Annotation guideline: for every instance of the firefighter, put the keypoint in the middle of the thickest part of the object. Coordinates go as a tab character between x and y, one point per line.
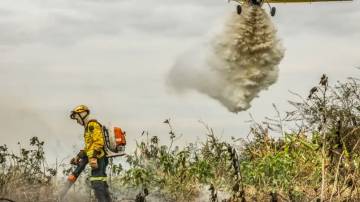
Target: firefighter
93	153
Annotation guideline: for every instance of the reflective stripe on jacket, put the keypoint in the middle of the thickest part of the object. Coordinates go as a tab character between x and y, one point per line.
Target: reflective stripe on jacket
94	140
97	179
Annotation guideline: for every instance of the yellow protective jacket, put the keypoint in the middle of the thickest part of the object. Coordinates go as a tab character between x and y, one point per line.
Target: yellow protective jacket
94	140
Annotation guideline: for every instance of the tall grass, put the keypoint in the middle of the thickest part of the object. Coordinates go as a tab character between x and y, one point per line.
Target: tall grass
25	176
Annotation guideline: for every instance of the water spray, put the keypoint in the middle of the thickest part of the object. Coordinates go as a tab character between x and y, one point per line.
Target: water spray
240	62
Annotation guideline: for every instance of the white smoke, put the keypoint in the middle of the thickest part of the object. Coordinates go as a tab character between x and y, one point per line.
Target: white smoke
239	63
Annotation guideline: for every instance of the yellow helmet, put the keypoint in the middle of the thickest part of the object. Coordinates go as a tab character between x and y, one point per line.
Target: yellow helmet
78	110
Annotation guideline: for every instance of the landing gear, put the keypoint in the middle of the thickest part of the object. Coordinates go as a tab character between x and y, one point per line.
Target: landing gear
238	9
272	11
257	3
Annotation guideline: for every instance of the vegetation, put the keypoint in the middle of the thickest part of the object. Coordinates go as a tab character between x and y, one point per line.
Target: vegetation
316	158
26	177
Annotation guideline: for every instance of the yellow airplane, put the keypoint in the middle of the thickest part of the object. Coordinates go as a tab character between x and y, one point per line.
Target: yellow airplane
273	9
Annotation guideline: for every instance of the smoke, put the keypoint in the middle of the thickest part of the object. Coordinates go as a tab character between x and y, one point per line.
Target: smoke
20	120
239	63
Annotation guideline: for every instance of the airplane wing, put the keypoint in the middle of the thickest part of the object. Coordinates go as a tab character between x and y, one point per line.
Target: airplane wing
300	1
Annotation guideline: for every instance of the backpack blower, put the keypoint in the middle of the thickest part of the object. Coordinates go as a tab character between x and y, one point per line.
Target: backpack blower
115	142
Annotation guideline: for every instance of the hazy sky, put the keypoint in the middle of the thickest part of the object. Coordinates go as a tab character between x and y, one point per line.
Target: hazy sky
113	55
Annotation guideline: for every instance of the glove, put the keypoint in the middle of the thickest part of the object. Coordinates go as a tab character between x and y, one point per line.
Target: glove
75	161
93	163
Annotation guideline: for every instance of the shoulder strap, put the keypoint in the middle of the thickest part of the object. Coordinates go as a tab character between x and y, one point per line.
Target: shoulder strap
94	121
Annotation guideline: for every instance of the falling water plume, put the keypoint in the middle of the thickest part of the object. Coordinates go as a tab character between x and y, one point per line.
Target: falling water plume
240	62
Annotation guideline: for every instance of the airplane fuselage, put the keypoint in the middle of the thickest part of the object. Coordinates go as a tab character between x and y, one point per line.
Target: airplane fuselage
259	3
